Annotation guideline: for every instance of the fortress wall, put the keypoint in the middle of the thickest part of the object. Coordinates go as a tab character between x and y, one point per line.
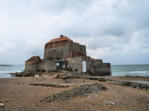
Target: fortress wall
76	64
77	50
69	50
97	68
49	66
53	53
56	53
41	66
31	67
107	68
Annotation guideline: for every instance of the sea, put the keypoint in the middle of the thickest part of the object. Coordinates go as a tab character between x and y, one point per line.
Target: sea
117	70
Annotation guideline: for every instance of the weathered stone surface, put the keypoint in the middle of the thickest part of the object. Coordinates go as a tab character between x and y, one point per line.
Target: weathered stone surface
77	91
148	105
1	105
97	78
69	76
111	103
51	85
134	84
23	74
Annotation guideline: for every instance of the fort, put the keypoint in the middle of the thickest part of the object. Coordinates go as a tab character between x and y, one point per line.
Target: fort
62	53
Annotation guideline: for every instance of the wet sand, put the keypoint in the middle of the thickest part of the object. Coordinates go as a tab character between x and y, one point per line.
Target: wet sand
18	95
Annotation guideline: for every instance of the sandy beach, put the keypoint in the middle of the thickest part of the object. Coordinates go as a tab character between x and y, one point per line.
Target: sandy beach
18	95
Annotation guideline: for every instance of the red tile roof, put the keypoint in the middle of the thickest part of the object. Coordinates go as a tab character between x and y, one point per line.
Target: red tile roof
34	59
61	38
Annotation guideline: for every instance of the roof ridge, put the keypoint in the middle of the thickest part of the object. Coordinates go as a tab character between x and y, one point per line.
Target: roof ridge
61	38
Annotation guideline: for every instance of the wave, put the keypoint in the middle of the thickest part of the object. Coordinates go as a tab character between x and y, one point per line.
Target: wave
131	73
8	72
139	72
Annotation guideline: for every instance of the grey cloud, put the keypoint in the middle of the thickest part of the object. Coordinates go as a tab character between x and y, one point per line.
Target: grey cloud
57	6
111	29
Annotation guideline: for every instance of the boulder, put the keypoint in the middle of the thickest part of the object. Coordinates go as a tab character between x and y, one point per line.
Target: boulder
1	105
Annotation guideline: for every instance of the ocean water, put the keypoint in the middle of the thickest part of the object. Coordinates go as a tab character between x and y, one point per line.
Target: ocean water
6	70
131	70
117	70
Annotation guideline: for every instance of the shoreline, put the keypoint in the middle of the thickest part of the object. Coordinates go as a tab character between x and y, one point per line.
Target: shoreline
6	65
13	75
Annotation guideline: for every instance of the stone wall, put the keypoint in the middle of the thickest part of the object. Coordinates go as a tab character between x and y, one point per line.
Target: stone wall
100	69
94	67
76	50
45	66
97	67
76	64
31	67
41	66
57	53
67	50
50	66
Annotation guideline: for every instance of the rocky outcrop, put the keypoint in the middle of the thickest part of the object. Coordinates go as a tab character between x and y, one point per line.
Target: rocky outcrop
77	91
23	74
134	84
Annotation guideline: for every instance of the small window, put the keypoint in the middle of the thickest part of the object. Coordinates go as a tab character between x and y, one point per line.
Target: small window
76	70
57	58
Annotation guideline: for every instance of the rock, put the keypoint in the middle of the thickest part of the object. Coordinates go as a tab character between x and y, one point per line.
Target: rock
147	105
1	105
134	84
77	91
37	76
23	74
111	103
133	101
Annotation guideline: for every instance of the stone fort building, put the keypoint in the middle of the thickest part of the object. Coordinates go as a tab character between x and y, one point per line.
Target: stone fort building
62	53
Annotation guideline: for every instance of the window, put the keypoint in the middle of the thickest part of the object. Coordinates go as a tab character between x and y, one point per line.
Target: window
76	70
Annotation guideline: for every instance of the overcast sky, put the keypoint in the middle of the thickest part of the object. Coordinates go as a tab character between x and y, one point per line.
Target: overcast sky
116	31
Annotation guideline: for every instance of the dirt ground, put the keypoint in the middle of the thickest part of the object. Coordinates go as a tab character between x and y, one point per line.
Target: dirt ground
18	95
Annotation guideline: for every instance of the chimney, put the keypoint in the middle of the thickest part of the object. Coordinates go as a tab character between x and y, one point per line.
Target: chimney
61	36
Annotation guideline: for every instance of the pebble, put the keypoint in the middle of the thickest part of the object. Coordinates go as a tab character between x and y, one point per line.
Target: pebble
1	105
111	103
148	105
36	76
